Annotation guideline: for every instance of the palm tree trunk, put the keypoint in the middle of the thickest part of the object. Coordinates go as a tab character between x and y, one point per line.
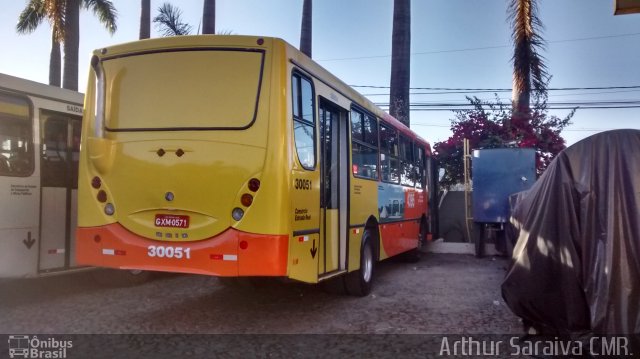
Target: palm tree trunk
145	19
305	29
400	61
71	45
520	96
55	62
209	17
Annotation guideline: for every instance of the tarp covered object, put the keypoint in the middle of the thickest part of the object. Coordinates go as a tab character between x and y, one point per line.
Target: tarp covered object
576	263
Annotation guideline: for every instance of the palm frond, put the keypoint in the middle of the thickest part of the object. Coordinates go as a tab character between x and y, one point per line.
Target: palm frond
31	17
530	70
104	11
169	21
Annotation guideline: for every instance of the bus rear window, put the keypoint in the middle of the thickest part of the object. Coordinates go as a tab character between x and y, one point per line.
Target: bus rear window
183	89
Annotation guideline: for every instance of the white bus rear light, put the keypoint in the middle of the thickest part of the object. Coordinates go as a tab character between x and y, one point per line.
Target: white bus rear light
237	213
109	210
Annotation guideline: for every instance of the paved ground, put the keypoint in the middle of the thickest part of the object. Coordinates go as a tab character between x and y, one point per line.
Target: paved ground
442	293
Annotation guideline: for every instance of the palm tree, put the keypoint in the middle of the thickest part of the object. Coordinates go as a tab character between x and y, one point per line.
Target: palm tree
106	13
145	19
305	29
169	21
529	70
209	17
29	20
63	15
400	61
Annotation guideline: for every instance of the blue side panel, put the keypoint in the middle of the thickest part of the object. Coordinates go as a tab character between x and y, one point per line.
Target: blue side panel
498	173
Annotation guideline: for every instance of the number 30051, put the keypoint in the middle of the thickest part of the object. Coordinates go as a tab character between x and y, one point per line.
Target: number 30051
169	252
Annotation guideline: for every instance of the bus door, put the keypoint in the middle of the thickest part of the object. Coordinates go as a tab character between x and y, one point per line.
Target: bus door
59	154
334	162
19	188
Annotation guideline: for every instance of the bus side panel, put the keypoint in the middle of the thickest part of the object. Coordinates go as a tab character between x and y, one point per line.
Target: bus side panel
19	234
401	209
362	205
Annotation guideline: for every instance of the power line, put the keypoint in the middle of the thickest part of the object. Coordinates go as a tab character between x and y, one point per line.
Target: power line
563	130
480	48
484	91
503	89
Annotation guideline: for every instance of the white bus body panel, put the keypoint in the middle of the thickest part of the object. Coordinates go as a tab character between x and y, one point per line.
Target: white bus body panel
33	218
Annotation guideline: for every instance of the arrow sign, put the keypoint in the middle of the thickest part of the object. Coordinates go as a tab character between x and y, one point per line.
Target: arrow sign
29	242
313	250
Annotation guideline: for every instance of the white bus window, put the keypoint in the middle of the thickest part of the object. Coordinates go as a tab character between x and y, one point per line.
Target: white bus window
16	144
60	137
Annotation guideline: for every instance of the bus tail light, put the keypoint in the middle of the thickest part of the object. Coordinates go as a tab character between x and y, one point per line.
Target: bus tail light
102	196
246	200
237	213
244	244
96	182
254	184
109	209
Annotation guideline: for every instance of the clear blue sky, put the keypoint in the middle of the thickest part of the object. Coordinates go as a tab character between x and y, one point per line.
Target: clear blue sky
456	44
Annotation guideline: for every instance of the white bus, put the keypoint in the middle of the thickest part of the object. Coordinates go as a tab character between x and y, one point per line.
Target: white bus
40	128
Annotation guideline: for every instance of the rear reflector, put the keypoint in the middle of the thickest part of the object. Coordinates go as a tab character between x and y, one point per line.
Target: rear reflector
224	257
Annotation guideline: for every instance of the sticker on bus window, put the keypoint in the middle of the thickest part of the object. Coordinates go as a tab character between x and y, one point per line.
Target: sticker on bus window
172	221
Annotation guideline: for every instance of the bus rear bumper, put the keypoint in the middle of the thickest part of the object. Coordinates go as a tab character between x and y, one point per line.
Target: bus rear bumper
229	254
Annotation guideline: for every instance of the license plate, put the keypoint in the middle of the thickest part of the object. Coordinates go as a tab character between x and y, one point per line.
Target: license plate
172	221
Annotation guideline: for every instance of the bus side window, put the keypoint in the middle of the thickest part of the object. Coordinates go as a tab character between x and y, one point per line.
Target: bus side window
303	120
407	176
364	145
16	139
420	172
389	154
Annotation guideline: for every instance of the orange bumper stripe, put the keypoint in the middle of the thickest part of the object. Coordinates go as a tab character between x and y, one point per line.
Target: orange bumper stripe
231	253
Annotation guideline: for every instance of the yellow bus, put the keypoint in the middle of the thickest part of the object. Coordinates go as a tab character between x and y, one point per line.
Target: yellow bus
39	150
239	156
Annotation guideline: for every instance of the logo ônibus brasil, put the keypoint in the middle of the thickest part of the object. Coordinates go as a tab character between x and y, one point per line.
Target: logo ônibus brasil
24	346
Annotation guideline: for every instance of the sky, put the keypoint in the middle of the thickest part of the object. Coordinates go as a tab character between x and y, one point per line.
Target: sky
454	43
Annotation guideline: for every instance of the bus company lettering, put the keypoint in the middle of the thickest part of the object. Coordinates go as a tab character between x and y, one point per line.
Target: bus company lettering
76	109
302	214
22	190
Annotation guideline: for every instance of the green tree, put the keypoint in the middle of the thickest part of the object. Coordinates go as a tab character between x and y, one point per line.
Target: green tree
529	69
209	17
145	19
400	61
306	28
106	13
32	16
169	21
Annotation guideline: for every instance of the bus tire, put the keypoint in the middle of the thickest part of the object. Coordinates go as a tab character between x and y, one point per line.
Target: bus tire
359	282
414	255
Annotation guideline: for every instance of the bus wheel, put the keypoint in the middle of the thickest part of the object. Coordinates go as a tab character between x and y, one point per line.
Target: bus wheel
359	282
415	254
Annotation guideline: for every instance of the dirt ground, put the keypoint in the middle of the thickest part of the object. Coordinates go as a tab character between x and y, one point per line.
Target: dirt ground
440	294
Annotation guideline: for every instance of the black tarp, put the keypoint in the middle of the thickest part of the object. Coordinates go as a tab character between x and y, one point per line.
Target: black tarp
576	264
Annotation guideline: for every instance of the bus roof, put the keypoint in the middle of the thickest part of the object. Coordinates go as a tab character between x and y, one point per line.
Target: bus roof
28	87
240	41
